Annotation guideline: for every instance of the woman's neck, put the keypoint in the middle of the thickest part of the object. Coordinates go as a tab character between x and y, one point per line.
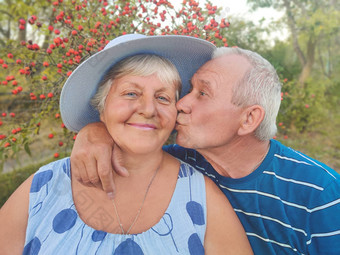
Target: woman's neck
154	175
138	164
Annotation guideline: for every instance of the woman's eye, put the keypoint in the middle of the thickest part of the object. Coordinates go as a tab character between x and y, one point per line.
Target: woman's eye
130	94
202	93
163	99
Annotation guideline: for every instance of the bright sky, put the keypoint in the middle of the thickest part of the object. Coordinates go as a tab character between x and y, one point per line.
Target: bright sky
241	9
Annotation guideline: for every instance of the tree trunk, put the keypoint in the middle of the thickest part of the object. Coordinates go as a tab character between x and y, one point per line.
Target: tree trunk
47	36
310	58
22	34
294	32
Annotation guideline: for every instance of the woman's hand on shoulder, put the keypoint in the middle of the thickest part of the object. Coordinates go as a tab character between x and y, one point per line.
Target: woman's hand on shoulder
225	233
13	220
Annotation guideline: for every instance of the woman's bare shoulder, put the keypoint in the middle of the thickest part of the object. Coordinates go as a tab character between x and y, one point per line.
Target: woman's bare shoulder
14	218
224	234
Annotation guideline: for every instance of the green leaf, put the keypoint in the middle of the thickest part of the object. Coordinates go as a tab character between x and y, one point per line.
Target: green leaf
27	149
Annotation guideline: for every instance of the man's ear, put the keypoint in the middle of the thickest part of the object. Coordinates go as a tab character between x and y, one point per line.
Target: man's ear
102	119
251	118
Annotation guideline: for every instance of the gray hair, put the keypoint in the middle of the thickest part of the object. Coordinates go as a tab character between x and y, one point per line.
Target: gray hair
138	65
260	85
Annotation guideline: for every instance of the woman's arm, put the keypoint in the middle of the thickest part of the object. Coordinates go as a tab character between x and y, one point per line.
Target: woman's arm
224	234
13	220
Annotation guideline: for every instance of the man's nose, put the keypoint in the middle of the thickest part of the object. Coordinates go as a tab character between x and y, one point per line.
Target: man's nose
184	104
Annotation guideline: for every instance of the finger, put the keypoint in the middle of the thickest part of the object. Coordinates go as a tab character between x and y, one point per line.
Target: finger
79	160
106	177
109	187
75	169
105	170
78	171
117	162
91	169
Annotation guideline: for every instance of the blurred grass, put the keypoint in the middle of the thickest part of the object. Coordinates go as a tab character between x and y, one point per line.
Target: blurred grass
321	142
11	180
320	148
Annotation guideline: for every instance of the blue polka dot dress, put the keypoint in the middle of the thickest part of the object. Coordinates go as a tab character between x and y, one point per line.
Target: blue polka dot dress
54	226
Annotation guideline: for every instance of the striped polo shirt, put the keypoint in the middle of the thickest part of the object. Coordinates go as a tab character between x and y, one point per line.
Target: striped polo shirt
289	205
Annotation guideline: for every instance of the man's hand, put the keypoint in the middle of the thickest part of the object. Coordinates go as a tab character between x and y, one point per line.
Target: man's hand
94	156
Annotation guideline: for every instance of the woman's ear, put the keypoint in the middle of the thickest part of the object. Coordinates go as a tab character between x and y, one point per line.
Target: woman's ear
251	118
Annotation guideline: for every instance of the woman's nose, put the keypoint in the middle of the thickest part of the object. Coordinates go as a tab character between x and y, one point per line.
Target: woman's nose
147	107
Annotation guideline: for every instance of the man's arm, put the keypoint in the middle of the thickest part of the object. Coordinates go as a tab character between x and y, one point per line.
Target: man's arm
190	156
93	158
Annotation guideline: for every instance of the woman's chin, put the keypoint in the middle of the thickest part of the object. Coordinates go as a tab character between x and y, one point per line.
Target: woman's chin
145	149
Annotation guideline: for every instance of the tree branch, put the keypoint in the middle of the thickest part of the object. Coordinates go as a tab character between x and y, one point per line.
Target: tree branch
2	31
291	24
322	63
7	32
7	13
301	6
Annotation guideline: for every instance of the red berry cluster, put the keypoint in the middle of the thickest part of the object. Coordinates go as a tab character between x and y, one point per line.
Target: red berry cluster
65	33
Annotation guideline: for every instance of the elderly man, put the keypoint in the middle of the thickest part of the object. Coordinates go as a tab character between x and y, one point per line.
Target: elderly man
287	202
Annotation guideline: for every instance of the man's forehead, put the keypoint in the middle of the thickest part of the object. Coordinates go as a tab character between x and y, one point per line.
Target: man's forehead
204	75
208	78
230	60
226	65
209	68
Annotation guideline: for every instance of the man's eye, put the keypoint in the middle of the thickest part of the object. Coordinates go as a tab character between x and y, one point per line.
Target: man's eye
202	93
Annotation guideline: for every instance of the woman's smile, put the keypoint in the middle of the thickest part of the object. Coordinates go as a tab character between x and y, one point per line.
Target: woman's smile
143	126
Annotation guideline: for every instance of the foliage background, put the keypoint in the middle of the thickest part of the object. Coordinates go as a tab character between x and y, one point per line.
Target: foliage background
42	41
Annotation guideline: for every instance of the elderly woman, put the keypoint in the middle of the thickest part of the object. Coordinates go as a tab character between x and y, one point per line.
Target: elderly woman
164	206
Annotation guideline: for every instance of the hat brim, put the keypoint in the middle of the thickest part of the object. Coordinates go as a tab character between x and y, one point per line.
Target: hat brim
188	54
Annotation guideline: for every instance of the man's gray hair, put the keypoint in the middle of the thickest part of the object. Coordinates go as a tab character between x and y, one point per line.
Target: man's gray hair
260	85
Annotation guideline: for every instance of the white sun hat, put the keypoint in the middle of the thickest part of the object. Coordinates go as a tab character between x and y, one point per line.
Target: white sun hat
185	52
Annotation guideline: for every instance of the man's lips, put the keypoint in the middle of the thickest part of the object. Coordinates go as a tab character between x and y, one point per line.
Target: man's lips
143	126
182	122
179	124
